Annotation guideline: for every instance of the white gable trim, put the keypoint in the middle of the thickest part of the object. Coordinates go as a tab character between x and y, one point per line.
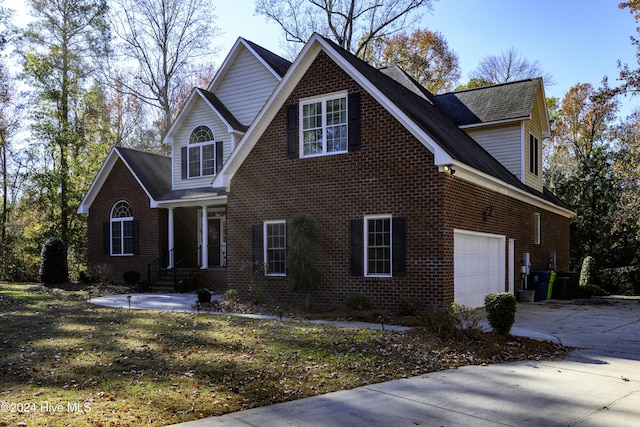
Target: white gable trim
102	177
297	70
231	57
189	105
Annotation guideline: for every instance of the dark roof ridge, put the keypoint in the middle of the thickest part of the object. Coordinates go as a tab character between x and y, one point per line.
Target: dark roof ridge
496	85
279	64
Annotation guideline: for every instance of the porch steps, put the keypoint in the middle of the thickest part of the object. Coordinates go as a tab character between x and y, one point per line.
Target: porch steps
164	283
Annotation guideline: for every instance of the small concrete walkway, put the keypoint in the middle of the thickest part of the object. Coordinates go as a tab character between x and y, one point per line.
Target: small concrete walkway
187	303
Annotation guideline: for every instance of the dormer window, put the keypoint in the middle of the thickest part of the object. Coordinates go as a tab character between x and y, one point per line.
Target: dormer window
201	153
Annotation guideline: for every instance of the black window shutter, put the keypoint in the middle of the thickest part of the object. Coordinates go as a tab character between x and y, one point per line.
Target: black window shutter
293	142
399	239
106	238
258	247
219	155
356	231
354	121
136	236
184	162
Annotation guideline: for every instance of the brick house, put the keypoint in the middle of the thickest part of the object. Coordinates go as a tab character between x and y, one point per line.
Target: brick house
433	197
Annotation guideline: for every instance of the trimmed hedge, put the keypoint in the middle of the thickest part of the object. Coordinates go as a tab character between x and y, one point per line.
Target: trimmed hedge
53	265
501	311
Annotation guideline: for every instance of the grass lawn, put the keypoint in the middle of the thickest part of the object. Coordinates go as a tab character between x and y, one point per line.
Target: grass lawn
65	362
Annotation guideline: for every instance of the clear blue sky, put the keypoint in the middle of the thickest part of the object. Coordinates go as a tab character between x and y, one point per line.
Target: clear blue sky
576	41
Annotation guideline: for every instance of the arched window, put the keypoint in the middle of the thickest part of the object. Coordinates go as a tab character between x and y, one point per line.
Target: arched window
122	229
201	134
202	153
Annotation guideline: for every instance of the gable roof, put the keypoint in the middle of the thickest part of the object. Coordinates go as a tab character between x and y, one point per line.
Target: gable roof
153	174
278	64
151	171
492	104
222	111
426	121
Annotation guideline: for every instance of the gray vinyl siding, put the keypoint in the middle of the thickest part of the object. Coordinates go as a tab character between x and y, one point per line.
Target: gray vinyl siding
200	115
246	87
504	143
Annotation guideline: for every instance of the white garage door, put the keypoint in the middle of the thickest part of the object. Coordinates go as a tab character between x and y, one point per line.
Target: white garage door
479	267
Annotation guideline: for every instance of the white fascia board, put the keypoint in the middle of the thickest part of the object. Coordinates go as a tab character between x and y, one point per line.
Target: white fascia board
98	182
184	112
209	201
266	114
259	58
222	71
495	123
285	87
230	128
492	183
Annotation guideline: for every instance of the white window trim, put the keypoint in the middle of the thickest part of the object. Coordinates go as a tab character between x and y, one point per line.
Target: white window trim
200	145
537	228
121	220
366	245
323	99
265	243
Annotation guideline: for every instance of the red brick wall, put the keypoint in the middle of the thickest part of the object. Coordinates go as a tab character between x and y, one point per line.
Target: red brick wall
121	185
391	174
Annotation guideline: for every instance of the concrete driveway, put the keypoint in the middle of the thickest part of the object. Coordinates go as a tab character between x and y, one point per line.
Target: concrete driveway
596	385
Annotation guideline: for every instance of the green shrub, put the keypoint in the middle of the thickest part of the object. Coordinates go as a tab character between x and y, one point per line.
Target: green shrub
53	265
620	280
588	285
358	302
231	296
455	321
409	306
204	295
501	311
131	277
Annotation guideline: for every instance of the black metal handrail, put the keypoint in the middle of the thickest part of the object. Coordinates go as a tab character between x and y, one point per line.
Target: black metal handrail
157	266
187	265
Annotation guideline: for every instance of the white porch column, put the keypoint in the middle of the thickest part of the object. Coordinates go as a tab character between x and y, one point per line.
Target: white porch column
205	238
171	242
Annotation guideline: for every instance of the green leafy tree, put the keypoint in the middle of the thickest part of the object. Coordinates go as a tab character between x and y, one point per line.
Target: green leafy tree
301	258
63	50
582	165
424	55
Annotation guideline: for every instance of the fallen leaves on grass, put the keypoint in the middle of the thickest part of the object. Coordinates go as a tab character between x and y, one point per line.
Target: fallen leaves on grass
156	368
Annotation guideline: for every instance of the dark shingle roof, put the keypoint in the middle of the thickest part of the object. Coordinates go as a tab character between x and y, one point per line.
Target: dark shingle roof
491	103
153	171
219	106
434	122
277	63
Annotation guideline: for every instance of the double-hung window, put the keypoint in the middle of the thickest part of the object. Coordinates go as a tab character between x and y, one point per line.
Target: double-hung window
378	251
122	229
275	248
201	153
378	246
324	126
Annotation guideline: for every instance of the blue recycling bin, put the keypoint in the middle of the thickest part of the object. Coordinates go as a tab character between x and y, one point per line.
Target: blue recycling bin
539	282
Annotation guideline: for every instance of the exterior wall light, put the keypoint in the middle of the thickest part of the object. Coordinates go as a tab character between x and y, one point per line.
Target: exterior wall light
450	169
487	213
